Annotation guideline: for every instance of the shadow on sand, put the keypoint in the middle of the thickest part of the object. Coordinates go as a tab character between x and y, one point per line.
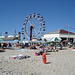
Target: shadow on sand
64	49
47	53
2	51
48	62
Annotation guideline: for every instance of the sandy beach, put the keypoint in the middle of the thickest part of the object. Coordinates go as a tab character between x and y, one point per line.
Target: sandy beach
58	63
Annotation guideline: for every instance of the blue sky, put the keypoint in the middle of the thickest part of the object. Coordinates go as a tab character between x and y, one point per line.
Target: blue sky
56	13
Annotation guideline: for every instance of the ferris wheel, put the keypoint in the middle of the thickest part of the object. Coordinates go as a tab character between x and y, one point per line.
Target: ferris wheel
33	26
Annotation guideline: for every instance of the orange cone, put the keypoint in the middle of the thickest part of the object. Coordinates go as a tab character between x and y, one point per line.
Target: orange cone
44	58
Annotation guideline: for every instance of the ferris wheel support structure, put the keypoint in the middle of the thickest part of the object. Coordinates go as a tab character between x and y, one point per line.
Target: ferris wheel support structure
31	27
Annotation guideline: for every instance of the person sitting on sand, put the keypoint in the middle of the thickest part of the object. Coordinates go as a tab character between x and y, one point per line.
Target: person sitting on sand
1	48
41	50
51	47
4	45
74	46
33	46
10	44
70	45
18	44
59	47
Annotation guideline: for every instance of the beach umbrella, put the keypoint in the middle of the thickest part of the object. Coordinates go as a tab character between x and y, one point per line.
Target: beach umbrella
49	39
15	41
1	39
55	39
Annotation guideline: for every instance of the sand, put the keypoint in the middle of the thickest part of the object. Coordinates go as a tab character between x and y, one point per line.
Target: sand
58	63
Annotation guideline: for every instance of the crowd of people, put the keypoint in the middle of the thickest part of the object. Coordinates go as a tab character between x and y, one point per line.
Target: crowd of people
41	47
2	45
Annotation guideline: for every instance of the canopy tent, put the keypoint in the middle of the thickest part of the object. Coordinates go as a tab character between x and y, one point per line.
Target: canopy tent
49	39
56	39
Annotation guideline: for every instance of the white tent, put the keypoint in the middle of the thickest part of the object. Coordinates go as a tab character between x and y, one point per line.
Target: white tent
56	39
